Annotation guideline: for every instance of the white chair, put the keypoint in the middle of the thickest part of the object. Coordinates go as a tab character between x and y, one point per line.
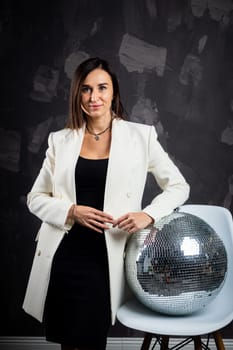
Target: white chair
216	315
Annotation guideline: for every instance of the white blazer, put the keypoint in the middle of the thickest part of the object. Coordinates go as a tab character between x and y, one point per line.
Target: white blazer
134	152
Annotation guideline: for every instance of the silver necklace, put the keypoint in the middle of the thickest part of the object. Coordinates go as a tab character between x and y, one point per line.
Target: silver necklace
97	135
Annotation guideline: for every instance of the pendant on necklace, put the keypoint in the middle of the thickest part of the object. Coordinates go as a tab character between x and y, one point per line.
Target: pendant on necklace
97	138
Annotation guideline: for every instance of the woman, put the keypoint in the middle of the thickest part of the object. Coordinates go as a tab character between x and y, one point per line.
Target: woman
88	195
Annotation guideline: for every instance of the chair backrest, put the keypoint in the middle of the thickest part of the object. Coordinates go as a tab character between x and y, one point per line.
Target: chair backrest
220	219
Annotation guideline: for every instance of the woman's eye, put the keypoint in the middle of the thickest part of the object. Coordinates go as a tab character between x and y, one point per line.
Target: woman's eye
86	89
102	87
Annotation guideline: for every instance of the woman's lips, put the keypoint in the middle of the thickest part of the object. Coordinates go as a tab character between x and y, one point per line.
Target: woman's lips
95	106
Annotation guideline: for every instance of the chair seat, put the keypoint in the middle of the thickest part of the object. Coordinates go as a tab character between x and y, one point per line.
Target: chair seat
135	315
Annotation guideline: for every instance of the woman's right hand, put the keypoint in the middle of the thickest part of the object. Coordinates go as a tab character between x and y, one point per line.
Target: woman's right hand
96	220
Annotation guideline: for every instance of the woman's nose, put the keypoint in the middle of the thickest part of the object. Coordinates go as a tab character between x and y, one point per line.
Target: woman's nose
94	96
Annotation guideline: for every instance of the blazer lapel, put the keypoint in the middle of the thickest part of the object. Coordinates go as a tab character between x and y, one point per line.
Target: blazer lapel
73	143
119	168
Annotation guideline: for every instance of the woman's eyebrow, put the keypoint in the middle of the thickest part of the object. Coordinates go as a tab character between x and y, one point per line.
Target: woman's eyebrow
87	85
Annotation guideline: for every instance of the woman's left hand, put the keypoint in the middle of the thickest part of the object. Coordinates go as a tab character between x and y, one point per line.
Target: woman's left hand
133	222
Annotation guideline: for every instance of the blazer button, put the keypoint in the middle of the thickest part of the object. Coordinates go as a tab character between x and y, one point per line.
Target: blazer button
128	194
39	252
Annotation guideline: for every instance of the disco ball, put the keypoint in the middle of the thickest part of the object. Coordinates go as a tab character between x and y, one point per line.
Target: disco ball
177	266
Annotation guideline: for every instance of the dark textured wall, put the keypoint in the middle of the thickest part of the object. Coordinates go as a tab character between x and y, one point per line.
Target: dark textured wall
174	60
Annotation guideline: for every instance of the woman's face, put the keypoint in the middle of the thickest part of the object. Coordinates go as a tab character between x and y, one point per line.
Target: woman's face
97	94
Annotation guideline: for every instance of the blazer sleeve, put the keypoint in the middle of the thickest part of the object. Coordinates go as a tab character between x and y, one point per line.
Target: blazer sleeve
41	201
174	188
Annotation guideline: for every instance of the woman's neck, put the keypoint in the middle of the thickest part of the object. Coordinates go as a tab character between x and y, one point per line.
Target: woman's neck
98	125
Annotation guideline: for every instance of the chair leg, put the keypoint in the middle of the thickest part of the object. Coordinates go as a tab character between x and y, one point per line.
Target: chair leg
146	341
218	340
164	342
197	343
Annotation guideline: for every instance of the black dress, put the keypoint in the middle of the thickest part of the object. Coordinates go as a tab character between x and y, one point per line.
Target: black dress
77	309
